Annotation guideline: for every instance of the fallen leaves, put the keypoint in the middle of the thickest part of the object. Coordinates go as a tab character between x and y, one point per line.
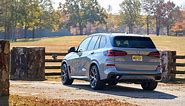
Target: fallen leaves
15	100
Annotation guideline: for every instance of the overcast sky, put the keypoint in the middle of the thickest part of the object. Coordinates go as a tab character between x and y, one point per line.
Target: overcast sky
115	4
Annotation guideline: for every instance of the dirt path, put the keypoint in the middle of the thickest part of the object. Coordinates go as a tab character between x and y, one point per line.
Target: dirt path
165	94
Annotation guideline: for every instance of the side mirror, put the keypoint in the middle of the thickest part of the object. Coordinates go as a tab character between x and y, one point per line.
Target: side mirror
72	49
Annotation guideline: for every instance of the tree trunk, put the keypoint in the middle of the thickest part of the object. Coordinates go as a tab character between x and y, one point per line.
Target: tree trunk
157	26
33	32
7	31
168	30
81	29
28	64
4	67
130	28
25	32
147	22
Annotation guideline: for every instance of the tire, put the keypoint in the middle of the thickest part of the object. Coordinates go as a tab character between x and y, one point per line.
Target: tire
94	79
150	85
65	76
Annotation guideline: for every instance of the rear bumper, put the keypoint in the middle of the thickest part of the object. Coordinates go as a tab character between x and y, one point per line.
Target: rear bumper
135	78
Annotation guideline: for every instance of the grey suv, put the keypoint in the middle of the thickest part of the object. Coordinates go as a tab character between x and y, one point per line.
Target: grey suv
105	58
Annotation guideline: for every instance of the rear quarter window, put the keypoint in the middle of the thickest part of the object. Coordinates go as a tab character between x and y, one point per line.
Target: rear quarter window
133	42
103	41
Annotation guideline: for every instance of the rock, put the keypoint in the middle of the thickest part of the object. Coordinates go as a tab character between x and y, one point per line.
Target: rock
168	62
4	67
28	64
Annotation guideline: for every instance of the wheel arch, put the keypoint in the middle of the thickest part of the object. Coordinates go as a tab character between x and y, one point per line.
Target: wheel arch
65	62
94	63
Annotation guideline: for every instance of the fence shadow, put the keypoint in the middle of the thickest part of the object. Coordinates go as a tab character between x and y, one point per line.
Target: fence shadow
177	81
4	101
128	92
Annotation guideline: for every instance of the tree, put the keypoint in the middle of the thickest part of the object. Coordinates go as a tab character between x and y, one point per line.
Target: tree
81	12
6	17
130	10
171	15
36	14
26	14
165	13
154	8
29	13
148	6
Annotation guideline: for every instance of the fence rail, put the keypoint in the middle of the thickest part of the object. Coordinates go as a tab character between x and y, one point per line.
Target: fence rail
180	57
53	74
178	72
52	67
52	60
180	64
58	54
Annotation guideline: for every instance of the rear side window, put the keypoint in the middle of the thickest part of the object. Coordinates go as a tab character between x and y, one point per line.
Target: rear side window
93	42
103	41
133	42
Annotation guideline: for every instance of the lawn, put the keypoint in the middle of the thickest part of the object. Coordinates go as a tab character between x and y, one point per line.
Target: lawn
61	44
58	44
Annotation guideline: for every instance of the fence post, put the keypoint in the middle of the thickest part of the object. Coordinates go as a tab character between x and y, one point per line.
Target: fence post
4	67
168	62
28	63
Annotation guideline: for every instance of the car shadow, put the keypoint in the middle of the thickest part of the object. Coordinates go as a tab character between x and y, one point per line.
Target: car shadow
4	101
127	91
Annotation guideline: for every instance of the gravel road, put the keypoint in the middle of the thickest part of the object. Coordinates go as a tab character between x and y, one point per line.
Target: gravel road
164	95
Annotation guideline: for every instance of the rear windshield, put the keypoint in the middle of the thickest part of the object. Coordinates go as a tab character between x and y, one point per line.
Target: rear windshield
133	42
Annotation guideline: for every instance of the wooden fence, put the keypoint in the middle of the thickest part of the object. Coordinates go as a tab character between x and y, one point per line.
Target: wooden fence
177	57
54	59
172	58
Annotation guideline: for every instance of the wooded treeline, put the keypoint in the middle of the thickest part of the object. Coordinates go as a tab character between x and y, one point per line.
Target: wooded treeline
40	14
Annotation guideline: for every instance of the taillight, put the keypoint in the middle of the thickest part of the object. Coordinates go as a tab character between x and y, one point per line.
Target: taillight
154	54
116	53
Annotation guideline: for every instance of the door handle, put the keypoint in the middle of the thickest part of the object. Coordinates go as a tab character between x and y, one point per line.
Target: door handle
92	52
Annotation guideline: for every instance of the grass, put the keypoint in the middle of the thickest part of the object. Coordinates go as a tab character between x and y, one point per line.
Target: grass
61	44
58	44
170	43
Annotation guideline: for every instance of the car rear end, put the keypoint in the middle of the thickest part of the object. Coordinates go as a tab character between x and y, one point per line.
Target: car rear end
132	59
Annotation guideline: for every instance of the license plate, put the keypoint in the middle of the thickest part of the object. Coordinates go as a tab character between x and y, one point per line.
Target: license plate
137	58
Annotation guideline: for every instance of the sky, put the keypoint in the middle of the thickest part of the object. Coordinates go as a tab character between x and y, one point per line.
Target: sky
115	4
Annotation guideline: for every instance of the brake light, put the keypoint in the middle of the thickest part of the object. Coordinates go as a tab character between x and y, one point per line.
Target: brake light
154	54
116	53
